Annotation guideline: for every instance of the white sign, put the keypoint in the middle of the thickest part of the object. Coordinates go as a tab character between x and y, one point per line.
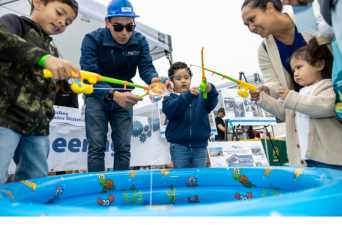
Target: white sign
69	145
243	111
237	154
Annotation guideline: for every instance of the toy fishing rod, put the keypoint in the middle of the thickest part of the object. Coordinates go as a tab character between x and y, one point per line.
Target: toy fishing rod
204	79
242	93
158	89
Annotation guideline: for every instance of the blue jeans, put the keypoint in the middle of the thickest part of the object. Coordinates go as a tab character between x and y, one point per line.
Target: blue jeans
336	18
184	157
29	152
97	116
312	163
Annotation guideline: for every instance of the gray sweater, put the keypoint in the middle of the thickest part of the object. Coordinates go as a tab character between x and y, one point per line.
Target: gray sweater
326	6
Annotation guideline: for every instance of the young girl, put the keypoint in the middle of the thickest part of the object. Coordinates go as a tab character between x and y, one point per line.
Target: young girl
189	129
313	133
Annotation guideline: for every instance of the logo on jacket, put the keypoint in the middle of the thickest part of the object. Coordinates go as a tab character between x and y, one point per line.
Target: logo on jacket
126	9
133	53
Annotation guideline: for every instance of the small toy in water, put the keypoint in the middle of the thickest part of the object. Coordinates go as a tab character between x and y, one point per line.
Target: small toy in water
242	178
158	91
108	185
30	184
245	85
164	172
106	202
298	172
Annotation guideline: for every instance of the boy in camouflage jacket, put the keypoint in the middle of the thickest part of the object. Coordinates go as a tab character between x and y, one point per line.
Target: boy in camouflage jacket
26	96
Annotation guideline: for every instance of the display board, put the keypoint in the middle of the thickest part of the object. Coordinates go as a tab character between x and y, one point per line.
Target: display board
243	111
237	154
69	145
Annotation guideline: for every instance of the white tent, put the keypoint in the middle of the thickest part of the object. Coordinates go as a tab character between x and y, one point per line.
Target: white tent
90	17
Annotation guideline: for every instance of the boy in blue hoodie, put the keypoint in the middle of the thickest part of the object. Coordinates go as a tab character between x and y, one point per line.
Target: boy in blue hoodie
189	128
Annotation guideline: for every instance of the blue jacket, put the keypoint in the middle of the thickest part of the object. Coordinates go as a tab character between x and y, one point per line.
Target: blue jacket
101	54
188	118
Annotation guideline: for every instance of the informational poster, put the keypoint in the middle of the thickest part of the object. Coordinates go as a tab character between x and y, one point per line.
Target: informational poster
243	111
164	121
237	154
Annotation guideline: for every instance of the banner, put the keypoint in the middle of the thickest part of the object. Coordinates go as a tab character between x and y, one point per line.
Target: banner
237	154
69	145
243	111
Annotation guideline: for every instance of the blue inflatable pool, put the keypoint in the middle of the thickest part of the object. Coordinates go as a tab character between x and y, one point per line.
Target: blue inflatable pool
257	191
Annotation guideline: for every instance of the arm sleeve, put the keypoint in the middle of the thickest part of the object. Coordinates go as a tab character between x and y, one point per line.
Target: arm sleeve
73	100
267	70
272	106
212	99
145	65
13	47
174	108
320	106
89	62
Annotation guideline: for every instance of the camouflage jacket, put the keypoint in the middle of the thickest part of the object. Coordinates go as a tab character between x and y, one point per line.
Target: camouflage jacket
26	97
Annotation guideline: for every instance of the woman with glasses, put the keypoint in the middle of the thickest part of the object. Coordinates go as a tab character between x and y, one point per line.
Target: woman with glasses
114	51
281	39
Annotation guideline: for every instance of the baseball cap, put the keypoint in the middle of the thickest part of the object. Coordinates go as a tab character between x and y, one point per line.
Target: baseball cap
221	110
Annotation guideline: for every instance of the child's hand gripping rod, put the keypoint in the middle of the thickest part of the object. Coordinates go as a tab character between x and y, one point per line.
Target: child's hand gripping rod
93	78
242	93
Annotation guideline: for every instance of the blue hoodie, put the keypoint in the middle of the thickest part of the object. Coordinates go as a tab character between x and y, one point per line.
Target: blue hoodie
188	118
101	54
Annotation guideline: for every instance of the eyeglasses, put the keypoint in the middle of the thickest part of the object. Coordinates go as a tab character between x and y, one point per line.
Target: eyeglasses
119	27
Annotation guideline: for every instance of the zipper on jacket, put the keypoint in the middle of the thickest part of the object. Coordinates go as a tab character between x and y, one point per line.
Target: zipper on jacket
190	125
41	108
112	52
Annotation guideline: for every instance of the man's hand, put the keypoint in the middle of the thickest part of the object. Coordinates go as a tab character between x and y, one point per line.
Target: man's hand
207	88
283	92
61	69
168	83
255	94
195	91
297	2
126	99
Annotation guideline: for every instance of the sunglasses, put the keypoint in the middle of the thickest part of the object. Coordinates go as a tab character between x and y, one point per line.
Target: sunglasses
119	27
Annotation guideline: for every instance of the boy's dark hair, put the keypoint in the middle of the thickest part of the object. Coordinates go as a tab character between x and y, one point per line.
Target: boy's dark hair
262	4
313	53
176	66
72	3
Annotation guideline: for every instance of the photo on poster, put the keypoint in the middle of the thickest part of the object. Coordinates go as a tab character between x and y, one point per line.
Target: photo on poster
229	104
215	152
256	109
267	114
239	109
247	104
256	150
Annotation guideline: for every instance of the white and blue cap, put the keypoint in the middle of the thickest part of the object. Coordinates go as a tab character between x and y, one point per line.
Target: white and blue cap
120	8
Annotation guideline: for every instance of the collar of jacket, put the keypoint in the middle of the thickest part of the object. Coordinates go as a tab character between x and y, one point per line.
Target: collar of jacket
274	54
109	41
37	28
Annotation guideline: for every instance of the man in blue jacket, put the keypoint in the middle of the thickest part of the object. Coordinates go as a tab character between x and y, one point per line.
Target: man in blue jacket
114	51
